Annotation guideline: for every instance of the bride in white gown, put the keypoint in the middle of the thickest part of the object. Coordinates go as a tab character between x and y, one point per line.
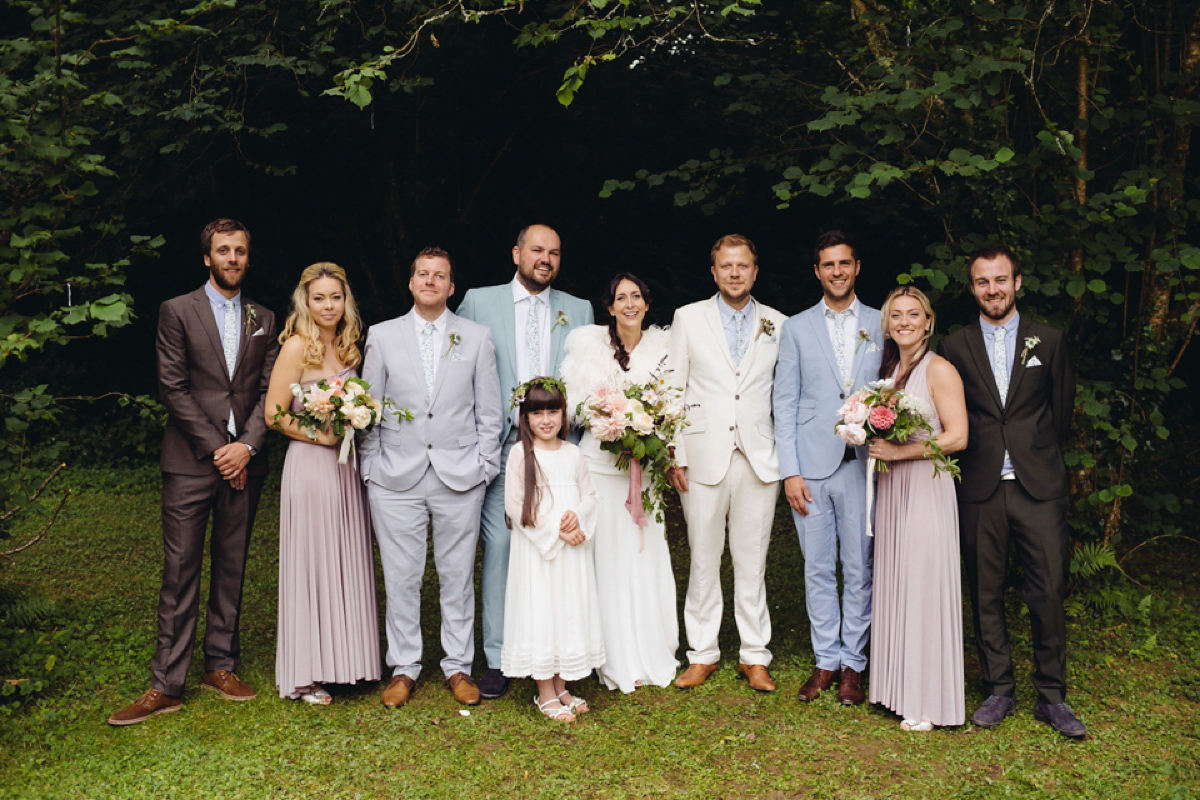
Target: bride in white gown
635	584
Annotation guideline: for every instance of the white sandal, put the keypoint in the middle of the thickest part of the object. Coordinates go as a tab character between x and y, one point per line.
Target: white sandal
317	696
560	714
576	704
924	726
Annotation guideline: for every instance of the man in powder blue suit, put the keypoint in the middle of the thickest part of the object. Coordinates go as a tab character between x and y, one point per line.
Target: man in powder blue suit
826	353
529	323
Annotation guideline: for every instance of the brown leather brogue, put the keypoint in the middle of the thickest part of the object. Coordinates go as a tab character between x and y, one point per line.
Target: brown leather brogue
397	692
850	692
819	681
695	675
757	676
464	689
229	685
151	703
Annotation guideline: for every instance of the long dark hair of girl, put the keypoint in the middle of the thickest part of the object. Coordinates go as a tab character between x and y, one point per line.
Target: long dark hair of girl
537	398
891	352
610	297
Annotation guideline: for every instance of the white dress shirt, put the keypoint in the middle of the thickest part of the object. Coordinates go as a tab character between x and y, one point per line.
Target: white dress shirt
521	300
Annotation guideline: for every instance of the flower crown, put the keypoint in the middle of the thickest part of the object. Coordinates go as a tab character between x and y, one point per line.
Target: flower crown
544	382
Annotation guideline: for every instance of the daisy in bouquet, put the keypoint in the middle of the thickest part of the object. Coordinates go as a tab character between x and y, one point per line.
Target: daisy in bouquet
637	424
879	411
341	405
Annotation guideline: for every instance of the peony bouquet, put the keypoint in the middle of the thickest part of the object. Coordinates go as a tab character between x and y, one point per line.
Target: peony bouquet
343	405
637	424
879	411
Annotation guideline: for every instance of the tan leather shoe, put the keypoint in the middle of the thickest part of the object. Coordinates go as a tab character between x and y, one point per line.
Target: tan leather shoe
819	681
757	676
151	703
397	692
229	685
464	689
695	675
850	692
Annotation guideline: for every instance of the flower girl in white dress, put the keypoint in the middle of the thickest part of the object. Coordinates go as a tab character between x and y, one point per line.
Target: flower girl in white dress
552	627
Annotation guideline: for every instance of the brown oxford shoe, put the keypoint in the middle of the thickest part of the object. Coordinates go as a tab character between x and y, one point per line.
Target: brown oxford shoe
464	689
850	692
151	703
757	676
229	685
397	692
695	675
819	681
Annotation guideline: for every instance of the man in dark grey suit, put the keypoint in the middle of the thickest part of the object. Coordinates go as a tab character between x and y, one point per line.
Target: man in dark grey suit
1020	389
215	353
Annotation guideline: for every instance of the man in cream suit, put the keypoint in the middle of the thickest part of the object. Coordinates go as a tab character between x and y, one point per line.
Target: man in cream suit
442	368
723	353
529	322
216	348
827	352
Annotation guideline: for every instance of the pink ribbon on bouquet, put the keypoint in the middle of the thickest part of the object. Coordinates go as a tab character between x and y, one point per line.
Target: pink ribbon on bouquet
633	502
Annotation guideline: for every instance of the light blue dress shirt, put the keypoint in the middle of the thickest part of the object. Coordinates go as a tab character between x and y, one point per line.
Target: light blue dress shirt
1010	356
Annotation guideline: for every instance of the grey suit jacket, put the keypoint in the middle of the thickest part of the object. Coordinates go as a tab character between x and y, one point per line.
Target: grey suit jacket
457	430
808	390
493	306
195	386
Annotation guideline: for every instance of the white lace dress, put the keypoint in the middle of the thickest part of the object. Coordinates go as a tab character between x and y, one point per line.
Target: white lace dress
638	609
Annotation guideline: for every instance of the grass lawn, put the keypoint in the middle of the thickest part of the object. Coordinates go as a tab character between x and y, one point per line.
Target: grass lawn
1134	683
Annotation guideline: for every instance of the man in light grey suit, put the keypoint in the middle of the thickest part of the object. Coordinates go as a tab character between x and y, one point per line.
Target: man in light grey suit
529	321
827	352
443	369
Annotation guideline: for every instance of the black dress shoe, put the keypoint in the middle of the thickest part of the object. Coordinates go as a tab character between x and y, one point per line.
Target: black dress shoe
993	711
1060	717
493	684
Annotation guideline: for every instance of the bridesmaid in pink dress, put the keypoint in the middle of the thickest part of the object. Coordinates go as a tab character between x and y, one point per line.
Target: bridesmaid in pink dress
328	625
916	628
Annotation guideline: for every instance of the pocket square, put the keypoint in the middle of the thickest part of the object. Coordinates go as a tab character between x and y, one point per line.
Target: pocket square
259	332
457	356
874	348
1033	362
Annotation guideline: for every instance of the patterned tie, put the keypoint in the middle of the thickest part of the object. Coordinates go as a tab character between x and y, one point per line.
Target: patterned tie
427	356
839	341
1000	362
533	340
740	342
229	343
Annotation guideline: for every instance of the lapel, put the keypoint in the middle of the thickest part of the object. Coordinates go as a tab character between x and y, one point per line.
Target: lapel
983	363
859	354
557	332
412	349
712	315
204	313
443	358
1018	370
505	336
820	334
246	332
752	349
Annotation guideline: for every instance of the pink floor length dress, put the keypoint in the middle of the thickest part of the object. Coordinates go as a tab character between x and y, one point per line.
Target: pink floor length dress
916	629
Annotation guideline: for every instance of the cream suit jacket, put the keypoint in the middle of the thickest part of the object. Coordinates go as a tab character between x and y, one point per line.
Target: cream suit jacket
730	405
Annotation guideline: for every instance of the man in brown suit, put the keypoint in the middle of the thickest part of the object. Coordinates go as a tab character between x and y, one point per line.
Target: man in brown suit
215	353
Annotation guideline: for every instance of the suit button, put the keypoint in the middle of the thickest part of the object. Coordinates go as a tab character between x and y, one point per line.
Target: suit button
737	397
428	447
731	427
737	374
842	395
431	415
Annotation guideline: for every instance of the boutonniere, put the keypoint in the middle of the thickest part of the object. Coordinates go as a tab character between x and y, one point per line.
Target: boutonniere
251	318
1030	343
454	339
560	319
766	327
863	338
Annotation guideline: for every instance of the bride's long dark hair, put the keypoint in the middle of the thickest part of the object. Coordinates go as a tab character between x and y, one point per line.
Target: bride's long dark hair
891	352
610	297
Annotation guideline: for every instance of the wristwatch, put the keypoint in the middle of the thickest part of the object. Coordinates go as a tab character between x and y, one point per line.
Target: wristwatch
253	452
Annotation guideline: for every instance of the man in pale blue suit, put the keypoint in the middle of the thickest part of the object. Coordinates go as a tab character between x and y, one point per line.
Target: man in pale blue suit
825	354
529	323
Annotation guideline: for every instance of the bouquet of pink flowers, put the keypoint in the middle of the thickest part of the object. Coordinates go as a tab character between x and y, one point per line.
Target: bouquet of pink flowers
342	405
638	424
879	411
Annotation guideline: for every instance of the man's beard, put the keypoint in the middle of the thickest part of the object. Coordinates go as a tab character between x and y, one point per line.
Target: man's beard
219	279
1012	301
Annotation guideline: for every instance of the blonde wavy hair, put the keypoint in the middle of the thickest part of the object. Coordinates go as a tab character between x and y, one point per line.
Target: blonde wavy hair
300	322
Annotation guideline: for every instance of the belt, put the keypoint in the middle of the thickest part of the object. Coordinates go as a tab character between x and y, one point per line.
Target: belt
1009	476
850	454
